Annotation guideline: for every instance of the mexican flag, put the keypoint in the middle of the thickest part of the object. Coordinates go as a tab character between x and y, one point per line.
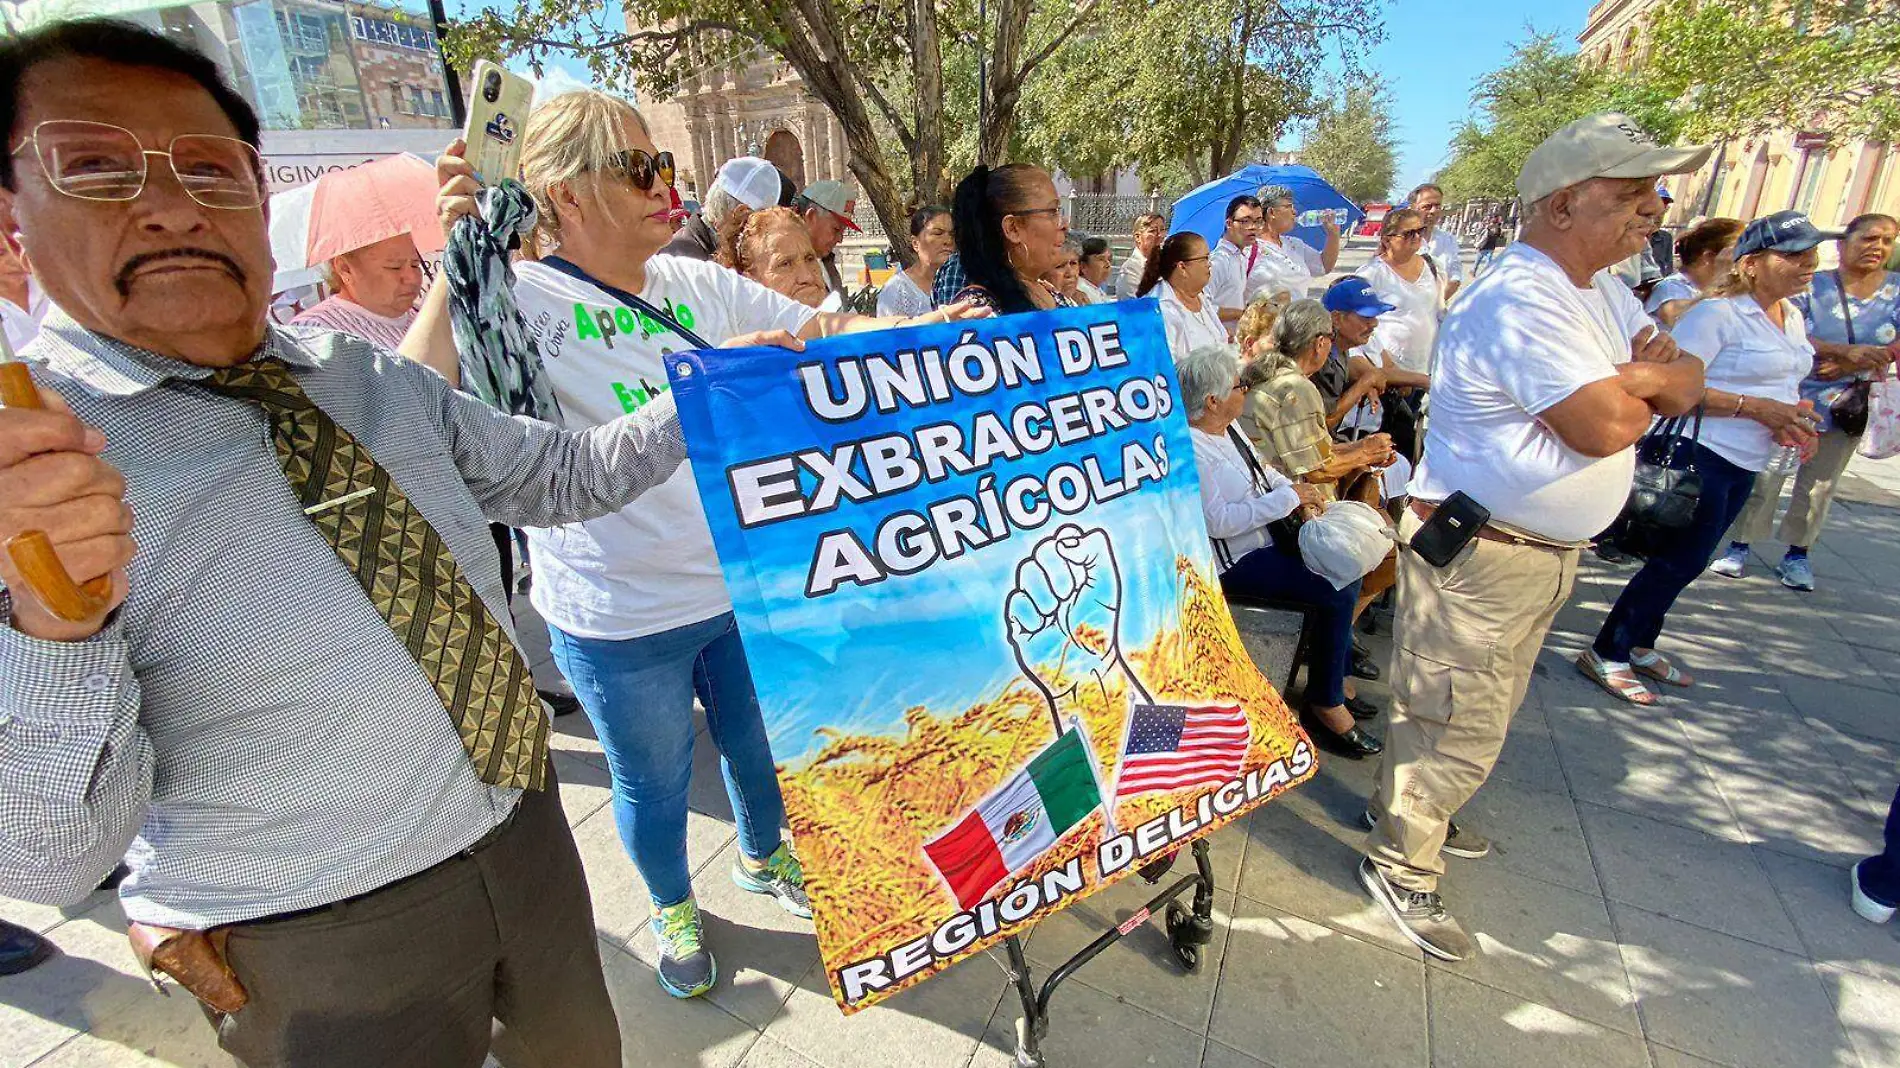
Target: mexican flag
1018	821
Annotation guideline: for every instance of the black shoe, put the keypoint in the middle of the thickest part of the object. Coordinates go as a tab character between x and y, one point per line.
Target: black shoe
563	704
1363	666
21	949
1611	553
1361	708
1354	744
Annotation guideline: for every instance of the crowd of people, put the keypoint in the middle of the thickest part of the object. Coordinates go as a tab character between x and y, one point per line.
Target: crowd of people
1468	441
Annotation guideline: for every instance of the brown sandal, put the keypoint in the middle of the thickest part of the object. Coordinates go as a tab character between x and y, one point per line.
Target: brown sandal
1661	668
1624	686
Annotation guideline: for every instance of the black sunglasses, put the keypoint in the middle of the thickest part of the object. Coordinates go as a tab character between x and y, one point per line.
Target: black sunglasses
641	168
1418	231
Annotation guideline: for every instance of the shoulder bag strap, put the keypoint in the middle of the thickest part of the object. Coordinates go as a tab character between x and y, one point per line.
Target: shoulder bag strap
1247	456
1847	313
630	300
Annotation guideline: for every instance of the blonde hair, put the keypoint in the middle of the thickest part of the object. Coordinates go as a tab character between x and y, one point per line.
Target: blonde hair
1256	322
568	139
739	248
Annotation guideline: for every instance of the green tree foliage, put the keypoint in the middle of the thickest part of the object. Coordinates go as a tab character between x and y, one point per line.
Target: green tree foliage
1741	67
1541	89
878	67
1190	88
1353	145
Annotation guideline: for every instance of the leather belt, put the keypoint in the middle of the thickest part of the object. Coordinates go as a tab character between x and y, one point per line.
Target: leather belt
1424	509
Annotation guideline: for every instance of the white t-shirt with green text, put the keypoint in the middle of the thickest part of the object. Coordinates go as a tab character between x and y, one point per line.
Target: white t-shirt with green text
649	567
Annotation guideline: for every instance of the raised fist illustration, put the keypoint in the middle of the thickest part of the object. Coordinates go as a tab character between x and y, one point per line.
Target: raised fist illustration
1063	616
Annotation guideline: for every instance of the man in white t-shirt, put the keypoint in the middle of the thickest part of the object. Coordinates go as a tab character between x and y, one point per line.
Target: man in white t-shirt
1441	245
1231	265
1546	374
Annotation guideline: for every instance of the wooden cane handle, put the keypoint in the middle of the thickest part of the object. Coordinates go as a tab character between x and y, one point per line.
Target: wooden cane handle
32	552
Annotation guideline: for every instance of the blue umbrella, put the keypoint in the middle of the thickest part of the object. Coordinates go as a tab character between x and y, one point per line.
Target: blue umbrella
1204	211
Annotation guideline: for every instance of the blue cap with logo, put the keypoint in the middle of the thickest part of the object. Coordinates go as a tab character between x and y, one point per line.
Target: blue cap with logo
1784	231
1356	295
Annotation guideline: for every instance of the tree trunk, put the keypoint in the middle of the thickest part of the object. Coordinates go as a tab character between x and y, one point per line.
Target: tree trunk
928	180
1005	81
1227	148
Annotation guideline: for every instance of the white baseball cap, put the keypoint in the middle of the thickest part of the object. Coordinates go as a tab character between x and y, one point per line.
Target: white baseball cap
754	181
1605	145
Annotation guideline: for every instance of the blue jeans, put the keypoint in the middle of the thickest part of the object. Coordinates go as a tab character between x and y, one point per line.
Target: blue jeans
1484	260
639	694
1269	574
1637	620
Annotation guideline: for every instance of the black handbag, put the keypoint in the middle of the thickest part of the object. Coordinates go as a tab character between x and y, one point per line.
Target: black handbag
1850	410
1667	488
1284	531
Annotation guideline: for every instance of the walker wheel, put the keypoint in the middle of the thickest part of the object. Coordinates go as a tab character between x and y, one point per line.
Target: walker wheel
1181	936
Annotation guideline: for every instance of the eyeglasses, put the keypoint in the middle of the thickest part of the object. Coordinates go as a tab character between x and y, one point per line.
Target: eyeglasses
641	168
1192	259
1057	210
1407	235
100	161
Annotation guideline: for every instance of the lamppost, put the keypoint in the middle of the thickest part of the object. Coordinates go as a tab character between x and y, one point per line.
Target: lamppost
458	110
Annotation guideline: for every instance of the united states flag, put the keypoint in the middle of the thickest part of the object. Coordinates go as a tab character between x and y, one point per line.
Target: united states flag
1174	747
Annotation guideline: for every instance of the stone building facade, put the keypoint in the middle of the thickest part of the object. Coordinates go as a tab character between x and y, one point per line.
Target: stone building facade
755	107
1831	179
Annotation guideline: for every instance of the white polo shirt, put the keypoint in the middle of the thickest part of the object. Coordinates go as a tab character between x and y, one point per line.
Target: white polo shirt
1519	341
1228	267
1291	266
1746	353
1443	249
1189	329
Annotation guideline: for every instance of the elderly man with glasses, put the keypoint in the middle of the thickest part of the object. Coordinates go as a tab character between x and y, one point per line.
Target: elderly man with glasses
293	702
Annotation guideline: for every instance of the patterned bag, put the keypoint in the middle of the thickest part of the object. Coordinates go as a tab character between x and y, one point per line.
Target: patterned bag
1882	438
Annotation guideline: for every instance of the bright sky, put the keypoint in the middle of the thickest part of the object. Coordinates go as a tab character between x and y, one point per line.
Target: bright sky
1433	51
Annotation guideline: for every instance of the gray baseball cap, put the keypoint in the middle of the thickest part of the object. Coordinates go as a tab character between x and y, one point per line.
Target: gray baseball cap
1606	145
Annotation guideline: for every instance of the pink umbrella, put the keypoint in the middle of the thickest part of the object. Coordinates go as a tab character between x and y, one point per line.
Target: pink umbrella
345	210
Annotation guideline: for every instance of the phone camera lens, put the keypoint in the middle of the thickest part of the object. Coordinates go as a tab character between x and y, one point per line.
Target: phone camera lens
491	87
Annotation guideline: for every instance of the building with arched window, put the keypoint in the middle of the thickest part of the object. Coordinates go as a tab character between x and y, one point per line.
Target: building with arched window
1831	179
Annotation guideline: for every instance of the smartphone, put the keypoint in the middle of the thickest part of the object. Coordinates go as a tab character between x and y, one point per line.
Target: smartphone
496	118
1453	524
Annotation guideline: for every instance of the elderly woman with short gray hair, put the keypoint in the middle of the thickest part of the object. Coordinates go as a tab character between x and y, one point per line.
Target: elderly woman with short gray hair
1290	265
1243	499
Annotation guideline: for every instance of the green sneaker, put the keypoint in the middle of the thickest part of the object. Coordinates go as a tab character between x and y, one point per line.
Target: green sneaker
686	966
782	877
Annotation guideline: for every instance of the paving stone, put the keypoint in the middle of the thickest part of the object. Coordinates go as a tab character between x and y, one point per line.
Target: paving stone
1303	863
937	1024
1854	709
1091	1029
658	1029
1686	875
91	1051
1726	999
1530	757
1639	762
1816	896
586	788
1294	992
621	905
1475	1026
1664	1057
1543	943
43	918
762	950
766	1053
1533	833
1870	1013
1219	1056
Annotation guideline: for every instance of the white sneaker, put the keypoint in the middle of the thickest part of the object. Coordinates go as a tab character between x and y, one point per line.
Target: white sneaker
1866	907
1730	564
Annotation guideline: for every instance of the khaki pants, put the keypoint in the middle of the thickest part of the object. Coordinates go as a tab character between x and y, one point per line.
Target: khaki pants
1813	495
1467	636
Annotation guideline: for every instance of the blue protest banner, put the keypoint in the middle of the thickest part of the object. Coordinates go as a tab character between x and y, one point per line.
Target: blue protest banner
979	603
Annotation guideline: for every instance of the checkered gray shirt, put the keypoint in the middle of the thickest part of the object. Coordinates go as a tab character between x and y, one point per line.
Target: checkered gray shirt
247	731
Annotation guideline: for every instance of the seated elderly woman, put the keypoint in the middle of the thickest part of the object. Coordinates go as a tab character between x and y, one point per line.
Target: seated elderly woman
1243	499
773	248
373	292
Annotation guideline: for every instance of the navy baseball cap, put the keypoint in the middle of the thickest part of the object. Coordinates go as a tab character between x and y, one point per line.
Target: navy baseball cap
1354	294
1784	231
